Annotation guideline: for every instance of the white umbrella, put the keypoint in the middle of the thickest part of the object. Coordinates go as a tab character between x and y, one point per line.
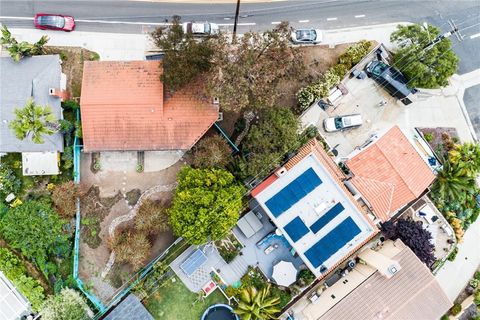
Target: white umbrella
284	273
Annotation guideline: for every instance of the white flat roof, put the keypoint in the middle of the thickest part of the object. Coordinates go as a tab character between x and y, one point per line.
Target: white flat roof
40	163
12	304
312	207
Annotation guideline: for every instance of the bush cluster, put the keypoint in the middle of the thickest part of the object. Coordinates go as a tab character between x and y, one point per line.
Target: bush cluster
320	89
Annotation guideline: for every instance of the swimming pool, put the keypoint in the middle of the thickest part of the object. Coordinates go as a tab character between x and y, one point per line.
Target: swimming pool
219	312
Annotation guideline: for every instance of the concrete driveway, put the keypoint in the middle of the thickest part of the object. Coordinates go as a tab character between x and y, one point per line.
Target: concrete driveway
432	108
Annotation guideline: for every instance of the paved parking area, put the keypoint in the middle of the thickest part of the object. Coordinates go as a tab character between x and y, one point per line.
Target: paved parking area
431	108
473	106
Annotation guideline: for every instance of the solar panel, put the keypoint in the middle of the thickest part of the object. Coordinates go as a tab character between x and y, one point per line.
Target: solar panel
293	192
332	242
193	262
327	217
296	229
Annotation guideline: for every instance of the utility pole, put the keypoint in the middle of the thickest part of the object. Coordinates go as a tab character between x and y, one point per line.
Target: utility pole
237	11
454	30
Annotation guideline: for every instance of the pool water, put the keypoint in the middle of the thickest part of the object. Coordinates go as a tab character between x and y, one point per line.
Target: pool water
219	312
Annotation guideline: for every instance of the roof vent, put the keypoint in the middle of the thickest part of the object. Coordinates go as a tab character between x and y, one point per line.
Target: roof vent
215	100
281	172
392	269
220	116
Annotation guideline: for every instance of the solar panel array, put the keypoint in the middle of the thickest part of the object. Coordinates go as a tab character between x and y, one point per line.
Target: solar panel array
193	262
293	192
327	217
332	242
296	229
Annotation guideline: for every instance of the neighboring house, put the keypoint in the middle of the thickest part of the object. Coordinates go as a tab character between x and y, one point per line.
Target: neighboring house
13	305
40	78
391	283
124	107
308	202
389	174
130	308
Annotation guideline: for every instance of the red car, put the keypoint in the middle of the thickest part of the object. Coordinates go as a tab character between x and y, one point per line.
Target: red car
54	22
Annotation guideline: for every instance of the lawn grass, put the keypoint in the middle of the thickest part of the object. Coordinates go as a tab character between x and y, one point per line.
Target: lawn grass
174	301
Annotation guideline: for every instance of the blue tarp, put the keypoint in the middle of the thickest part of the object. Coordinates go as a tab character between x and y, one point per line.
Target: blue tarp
332	242
327	217
293	192
296	229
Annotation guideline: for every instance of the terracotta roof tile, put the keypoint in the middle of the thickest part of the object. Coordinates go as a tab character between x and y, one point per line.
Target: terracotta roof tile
390	173
123	108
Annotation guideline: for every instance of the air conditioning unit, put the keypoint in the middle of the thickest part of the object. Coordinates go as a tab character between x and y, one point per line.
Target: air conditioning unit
351	264
215	100
281	172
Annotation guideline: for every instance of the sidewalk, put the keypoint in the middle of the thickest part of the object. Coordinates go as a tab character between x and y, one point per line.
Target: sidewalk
110	46
454	276
379	33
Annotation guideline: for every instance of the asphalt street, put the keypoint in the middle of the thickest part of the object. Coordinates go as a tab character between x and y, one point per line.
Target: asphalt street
141	16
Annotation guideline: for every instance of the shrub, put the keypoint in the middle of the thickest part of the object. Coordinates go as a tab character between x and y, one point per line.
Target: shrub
477	275
284	295
456	309
453	254
64	198
15	271
476	298
151	217
131	247
428	137
445	317
9	182
67	158
306	276
133	195
69	304
70	105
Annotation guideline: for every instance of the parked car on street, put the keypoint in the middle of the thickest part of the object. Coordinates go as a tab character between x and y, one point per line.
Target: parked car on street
342	122
49	21
306	36
200	28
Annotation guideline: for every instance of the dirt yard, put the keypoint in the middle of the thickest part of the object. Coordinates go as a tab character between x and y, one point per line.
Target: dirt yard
107	202
72	65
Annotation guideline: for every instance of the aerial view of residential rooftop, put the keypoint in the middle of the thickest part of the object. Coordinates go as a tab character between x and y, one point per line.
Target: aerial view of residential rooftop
239	160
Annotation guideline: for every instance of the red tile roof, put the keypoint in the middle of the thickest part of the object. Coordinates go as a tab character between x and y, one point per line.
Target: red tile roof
123	108
390	173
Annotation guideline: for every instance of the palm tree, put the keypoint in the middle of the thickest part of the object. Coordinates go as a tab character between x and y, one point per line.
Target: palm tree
257	305
35	121
453	182
18	50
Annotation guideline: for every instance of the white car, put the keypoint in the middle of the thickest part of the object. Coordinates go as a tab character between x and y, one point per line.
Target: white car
200	28
342	123
306	36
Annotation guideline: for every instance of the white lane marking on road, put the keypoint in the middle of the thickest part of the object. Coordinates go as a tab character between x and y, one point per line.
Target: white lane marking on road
125	22
360	16
303	21
331	19
473	36
17	18
238	24
276	22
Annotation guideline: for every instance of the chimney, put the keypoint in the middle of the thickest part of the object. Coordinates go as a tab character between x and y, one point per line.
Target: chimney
62	94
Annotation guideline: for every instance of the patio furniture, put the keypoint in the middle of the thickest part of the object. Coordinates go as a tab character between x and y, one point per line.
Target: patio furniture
284	273
447	230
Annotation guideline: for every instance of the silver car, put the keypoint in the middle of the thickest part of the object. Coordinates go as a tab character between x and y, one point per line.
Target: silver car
200	28
342	122
306	36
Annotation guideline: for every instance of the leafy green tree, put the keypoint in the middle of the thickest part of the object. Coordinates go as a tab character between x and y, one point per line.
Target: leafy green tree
257	305
211	152
35	121
453	183
269	140
466	156
206	204
185	58
424	68
15	271
35	228
18	50
68	305
247	74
